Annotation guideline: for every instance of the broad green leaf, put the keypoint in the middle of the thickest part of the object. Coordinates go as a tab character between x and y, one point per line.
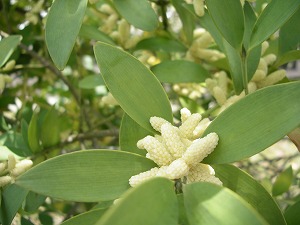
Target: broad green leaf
251	191
180	71
264	114
12	199
50	128
229	19
33	202
138	13
161	44
34	134
187	19
7	47
91	32
283	182
253	61
151	203
272	18
16	143
85	176
289	35
292	214
130	133
287	57
62	27
91	82
208	203
87	218
133	85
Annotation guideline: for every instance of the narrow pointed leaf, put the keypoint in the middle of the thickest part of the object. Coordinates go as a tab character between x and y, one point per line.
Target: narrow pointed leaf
133	85
272	18
208	203
61	33
270	113
87	218
288	57
85	176
50	129
151	203
34	134
283	182
253	61
229	19
292	214
91	32
251	191
7	47
138	13
180	71
91	82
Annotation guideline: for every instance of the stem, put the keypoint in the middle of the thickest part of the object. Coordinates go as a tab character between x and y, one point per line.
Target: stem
163	4
244	70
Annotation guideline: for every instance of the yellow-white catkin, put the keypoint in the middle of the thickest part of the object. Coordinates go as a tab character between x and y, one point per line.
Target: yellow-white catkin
223	81
252	87
26	164
124	30
270	59
157	122
2	83
201	127
209	54
199	7
202	172
187	127
264	47
17	171
204	40
272	78
262	65
106	8
137	179
172	140
3	167
177	169
185	114
5	180
109	99
259	75
200	148
157	151
219	95
210	84
11	162
9	65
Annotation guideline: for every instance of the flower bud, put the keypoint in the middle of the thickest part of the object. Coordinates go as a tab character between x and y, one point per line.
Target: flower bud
5	180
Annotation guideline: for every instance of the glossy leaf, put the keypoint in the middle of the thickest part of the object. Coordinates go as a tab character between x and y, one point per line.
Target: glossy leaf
87	218
138	13
283	182
130	133
151	203
85	176
133	85
12	199
272	18
50	128
229	19
91	82
180	71
91	32
34	134
251	191
292	214
255	122
7	47
161	44
208	203
59	40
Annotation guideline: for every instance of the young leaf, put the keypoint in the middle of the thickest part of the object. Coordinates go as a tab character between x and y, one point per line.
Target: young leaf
208	203
272	18
292	214
34	134
7	47
138	13
91	82
85	176
255	122
91	32
50	128
130	133
61	34
87	218
283	182
150	203
180	71
251	191
229	19
133	85
253	61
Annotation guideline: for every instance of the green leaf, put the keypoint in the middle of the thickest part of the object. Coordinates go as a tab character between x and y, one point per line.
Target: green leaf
283	182
138	13
229	19
85	176
288	42
250	19
50	128
208	203
253	61
251	191
62	27
87	218
292	214
34	134
12	199
161	44
91	32
180	71
187	19
264	114
151	203
7	47
91	82
130	133
287	57
133	85
33	202
272	18
182	212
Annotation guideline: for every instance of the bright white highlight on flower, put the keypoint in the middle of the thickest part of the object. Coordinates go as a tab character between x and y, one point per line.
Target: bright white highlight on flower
179	151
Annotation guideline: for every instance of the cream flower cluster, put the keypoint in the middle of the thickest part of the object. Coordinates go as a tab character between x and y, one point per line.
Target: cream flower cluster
190	90
178	151
12	168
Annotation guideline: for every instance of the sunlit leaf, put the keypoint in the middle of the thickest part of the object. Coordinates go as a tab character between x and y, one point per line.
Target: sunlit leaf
283	182
91	82
87	218
91	32
7	47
